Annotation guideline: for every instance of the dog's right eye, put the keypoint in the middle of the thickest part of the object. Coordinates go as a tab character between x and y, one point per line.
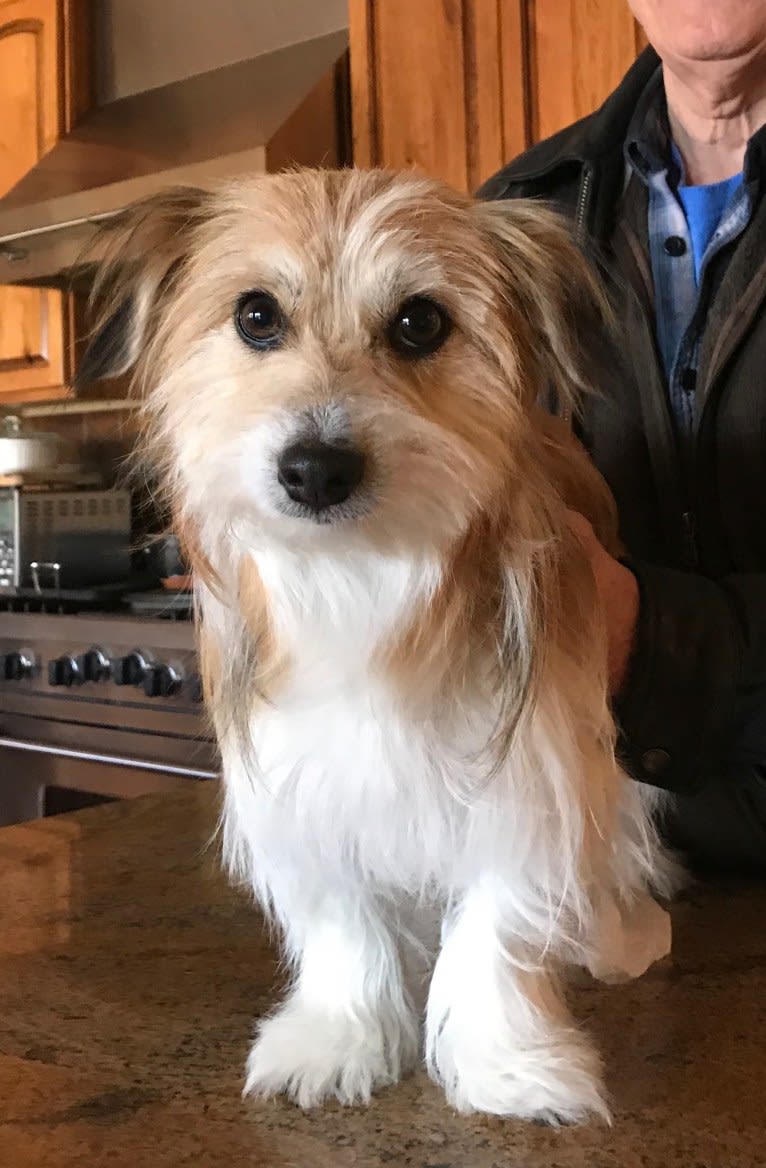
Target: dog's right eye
419	328
259	320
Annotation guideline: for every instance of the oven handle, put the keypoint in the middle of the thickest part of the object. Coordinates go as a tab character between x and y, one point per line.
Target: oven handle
108	759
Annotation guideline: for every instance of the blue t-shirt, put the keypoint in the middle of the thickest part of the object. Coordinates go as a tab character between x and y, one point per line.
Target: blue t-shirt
704	207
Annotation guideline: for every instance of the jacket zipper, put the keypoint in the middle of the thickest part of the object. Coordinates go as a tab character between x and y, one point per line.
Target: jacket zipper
583	204
580	234
691	551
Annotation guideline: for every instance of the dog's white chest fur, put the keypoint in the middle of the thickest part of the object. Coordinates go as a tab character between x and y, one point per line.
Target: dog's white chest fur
356	784
351	777
351	780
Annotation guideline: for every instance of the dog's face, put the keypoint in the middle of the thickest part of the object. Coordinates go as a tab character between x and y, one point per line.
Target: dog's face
341	355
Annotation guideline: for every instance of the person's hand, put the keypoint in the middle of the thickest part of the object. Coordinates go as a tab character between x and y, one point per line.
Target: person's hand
617	588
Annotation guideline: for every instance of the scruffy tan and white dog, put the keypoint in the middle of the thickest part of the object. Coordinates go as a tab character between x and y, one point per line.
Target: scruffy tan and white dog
402	650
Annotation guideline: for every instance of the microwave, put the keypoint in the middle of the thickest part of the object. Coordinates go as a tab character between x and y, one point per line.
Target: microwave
54	539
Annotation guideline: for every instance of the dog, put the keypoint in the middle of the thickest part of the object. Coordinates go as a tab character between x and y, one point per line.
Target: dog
340	377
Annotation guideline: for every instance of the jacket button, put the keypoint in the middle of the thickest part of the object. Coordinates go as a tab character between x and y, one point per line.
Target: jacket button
674	246
655	761
688	379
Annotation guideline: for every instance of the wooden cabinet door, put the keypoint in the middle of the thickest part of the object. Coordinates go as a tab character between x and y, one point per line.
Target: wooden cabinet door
579	51
42	58
459	87
436	84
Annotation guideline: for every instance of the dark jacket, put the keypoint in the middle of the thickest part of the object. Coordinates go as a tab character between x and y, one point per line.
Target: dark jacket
694	708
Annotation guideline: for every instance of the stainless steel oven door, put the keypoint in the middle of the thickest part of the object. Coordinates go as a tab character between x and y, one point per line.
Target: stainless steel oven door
47	767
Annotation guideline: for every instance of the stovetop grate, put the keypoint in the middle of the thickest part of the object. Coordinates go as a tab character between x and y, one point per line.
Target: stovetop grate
132	598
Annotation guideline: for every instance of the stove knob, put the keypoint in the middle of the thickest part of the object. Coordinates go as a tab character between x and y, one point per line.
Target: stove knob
194	688
130	669
64	671
94	665
161	681
15	666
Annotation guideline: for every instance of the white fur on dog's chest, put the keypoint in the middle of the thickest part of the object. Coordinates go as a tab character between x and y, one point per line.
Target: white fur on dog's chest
352	778
349	773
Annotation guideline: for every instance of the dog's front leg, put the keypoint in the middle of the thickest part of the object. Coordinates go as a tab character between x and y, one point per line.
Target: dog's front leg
346	1026
499	1037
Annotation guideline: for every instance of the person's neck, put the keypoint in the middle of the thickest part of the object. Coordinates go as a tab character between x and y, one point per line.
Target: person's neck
714	108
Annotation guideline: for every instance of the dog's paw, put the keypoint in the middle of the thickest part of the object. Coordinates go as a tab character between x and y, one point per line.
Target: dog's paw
558	1083
312	1056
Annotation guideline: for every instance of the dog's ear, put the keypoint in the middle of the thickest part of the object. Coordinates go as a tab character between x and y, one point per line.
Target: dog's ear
562	319
137	255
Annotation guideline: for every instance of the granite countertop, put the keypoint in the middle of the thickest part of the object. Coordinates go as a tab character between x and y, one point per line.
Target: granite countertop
130	975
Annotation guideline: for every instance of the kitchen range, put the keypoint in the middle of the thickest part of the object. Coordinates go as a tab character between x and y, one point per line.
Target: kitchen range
100	696
97	705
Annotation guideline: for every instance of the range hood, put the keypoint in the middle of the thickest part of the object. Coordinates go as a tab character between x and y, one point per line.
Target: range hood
184	93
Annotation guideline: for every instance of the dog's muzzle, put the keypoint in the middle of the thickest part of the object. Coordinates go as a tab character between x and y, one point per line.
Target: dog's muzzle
318	474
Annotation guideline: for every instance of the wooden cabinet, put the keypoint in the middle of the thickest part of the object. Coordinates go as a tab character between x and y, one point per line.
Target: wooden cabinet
459	87
43	90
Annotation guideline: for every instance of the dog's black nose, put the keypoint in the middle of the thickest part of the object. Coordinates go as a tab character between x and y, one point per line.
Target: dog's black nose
320	475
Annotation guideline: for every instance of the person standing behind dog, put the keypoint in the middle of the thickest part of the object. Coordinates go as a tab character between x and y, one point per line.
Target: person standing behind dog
665	185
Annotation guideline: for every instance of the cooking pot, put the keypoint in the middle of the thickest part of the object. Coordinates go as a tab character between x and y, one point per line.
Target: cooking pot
27	452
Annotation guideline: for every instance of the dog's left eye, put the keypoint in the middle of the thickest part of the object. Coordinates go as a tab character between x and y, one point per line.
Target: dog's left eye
420	327
259	320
